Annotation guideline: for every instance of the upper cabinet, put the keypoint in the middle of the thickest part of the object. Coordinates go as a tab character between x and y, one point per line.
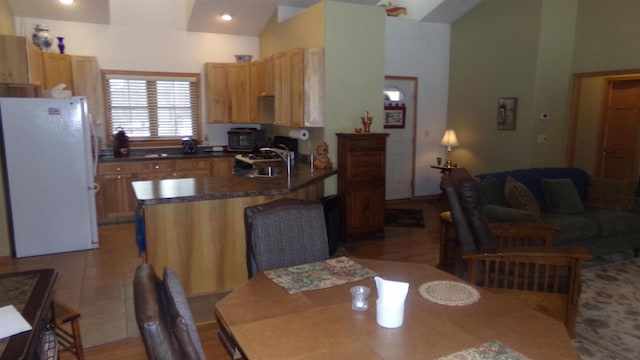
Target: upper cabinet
88	82
299	88
286	89
20	61
57	70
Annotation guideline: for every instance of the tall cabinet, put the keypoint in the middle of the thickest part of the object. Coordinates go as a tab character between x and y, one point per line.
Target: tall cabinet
361	183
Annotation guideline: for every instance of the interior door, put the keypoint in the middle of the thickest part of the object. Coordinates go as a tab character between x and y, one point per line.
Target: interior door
401	143
619	140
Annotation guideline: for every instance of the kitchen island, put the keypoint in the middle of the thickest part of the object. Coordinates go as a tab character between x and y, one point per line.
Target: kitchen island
195	226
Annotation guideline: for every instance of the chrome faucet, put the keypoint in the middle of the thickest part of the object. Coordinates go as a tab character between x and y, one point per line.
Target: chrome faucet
285	156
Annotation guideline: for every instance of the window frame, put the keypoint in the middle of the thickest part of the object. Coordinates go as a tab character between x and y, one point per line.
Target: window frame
151	75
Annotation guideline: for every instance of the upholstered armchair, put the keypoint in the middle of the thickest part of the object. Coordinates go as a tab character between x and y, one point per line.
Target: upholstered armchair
516	260
284	232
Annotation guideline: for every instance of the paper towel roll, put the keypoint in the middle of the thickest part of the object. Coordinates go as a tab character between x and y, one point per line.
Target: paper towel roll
300	134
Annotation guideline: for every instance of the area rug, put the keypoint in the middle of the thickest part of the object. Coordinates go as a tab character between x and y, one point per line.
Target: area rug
608	324
404	218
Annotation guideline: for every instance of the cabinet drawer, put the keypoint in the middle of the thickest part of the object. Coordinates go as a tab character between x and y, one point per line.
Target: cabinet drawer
155	166
193	164
367	144
116	168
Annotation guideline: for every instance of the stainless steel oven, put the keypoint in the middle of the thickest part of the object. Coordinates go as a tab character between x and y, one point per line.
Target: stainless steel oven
246	139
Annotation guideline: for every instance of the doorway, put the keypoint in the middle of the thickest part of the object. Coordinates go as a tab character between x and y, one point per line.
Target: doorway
604	126
401	142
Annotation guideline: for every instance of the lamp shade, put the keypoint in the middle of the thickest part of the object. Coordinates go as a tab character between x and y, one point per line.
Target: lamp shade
449	138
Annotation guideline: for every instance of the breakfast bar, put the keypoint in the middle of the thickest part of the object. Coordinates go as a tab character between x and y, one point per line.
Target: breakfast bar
195	226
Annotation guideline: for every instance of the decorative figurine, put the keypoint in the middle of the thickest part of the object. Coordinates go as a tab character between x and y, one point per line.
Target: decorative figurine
322	160
366	122
41	37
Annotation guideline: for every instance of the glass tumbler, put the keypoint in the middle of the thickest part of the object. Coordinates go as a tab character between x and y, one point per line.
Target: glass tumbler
360	295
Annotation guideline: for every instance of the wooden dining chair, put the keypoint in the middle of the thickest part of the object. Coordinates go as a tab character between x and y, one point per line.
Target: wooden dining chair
516	260
284	232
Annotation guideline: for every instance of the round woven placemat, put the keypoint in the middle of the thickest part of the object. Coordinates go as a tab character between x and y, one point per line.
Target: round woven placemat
451	293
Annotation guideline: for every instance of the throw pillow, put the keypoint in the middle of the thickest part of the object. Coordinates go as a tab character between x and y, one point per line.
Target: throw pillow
611	194
519	197
561	196
492	191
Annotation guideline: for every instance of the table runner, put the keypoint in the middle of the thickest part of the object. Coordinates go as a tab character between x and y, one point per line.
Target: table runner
318	275
491	350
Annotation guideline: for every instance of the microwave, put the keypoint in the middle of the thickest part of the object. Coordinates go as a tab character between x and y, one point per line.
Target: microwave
246	139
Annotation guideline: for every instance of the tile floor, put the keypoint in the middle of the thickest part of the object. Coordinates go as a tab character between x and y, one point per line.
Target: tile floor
97	282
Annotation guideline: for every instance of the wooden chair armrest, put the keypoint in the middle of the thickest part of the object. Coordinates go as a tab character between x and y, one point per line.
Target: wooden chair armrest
523	234
533	253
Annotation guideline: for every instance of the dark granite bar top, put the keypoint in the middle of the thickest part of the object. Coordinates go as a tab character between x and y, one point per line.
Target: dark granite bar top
224	187
165	154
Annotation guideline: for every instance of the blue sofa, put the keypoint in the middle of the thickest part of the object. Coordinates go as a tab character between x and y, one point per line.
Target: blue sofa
606	221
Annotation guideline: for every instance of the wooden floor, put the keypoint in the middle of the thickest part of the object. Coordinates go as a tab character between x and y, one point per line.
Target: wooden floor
398	244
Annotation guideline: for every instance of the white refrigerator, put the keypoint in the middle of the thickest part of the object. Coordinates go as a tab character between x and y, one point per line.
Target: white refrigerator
48	175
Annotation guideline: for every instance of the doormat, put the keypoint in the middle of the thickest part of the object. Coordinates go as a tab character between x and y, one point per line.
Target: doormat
403	218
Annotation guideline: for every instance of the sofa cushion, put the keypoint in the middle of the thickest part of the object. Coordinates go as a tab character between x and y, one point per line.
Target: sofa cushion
561	196
614	222
519	197
492	191
611	194
571	227
497	213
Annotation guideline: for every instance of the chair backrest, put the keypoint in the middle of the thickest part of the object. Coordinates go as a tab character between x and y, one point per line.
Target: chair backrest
284	232
472	226
163	316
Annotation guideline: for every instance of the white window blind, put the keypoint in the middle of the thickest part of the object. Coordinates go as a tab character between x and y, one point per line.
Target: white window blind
152	107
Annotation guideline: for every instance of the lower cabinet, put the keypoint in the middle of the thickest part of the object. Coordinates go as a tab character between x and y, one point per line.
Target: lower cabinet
115	199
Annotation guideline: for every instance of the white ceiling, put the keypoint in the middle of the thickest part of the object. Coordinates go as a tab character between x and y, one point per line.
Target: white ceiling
250	16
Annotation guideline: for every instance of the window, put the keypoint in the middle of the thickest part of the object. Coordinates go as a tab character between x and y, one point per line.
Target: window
152	106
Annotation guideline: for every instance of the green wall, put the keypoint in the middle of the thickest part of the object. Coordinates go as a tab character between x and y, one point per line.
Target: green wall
353	39
531	49
6	19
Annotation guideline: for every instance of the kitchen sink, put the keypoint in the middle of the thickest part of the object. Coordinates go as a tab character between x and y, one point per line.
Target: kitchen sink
267	171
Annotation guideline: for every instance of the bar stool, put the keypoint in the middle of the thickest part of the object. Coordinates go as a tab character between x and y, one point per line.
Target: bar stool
68	340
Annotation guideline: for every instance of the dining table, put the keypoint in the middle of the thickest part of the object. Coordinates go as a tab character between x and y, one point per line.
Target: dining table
262	320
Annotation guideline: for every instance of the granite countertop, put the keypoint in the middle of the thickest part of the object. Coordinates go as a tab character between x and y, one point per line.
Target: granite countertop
224	187
165	154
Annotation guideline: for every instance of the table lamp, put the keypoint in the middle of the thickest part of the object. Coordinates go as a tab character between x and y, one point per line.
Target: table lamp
449	139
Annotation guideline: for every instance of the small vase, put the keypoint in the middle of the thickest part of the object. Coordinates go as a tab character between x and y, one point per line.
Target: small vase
41	37
61	44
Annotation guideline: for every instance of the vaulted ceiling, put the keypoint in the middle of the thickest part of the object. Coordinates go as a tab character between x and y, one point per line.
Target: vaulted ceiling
249	16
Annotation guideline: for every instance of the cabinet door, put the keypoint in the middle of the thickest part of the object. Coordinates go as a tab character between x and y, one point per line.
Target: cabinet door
222	166
116	196
314	87
238	84
87	82
192	168
296	85
36	66
254	75
57	70
365	209
216	93
282	90
266	76
13	60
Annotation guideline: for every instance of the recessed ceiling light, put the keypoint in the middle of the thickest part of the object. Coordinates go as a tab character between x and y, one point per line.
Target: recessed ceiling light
67	2
226	17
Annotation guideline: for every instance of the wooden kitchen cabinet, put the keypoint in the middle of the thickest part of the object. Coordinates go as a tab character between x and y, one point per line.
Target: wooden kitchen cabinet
115	199
57	70
88	82
239	92
192	168
361	183
222	166
217	101
299	88
20	61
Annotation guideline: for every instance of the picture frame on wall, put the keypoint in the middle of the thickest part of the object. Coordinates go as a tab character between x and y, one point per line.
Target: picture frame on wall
507	113
394	116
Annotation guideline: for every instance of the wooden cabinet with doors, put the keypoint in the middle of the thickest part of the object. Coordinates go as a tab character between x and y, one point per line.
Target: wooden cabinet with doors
192	168
115	198
239	92
361	183
88	82
299	88
57	70
20	61
217	102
